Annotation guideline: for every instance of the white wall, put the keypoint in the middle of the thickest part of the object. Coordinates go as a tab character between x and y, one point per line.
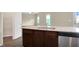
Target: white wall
17	25
58	18
7	23
28	19
63	19
1	29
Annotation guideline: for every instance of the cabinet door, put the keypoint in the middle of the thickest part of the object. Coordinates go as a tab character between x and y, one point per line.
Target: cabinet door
38	39
51	39
27	38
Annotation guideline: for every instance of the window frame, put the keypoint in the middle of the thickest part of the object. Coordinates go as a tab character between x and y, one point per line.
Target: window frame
48	20
77	17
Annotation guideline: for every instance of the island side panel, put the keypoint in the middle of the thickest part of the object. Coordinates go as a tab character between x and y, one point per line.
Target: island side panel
27	37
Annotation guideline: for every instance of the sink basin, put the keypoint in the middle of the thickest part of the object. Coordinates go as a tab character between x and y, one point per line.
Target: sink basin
46	27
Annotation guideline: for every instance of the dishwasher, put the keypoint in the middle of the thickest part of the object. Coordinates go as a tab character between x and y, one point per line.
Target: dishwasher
68	39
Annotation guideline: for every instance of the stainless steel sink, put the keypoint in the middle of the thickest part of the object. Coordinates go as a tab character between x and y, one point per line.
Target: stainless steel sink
47	27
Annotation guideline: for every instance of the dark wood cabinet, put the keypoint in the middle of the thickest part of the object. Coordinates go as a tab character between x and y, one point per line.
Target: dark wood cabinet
39	38
51	39
27	38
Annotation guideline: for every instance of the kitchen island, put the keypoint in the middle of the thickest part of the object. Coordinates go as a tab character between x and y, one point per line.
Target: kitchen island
41	36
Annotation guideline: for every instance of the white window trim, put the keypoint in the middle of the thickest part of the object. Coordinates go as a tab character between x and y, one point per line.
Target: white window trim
77	19
48	16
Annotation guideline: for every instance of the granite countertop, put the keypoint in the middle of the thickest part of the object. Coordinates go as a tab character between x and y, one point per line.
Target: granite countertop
53	28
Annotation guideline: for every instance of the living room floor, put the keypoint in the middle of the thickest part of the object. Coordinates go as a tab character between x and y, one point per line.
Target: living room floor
9	42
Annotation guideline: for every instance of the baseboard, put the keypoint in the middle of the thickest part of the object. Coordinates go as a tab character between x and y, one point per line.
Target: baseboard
7	36
12	36
17	37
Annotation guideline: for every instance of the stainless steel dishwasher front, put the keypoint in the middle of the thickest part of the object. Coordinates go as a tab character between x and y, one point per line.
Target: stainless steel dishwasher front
65	41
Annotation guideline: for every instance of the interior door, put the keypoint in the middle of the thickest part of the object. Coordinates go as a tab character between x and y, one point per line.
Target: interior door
17	25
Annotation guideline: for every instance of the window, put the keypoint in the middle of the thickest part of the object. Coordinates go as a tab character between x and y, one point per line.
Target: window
38	20
48	20
77	17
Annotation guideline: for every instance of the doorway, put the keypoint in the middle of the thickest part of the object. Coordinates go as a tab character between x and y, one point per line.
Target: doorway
12	36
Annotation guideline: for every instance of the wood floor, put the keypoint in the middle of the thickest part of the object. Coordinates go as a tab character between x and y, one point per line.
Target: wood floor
9	42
